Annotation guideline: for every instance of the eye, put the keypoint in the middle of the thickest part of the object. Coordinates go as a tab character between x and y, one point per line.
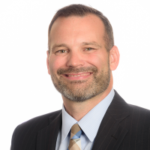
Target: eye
88	49
61	51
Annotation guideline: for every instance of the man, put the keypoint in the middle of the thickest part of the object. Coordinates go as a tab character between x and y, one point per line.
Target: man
80	60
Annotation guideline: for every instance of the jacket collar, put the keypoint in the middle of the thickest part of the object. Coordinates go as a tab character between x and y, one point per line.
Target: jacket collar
47	137
111	133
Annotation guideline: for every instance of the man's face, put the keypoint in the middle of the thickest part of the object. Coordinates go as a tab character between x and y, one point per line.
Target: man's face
78	61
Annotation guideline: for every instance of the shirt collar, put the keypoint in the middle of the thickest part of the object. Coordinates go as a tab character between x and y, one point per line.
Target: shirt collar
67	122
90	122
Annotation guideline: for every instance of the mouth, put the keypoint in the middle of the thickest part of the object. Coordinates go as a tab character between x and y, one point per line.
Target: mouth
78	76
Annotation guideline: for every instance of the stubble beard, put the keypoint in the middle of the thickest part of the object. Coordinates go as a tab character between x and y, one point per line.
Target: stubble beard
82	90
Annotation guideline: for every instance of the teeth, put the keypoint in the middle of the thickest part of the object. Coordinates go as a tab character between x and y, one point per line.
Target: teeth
78	75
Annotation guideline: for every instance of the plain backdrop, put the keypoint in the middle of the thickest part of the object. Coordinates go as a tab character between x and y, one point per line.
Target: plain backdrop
26	90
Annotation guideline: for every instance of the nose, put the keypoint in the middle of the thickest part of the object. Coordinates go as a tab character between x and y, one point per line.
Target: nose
75	59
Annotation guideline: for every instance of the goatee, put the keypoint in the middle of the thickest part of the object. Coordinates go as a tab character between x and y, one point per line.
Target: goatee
82	90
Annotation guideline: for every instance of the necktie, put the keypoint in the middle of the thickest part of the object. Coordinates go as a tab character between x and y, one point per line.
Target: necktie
75	143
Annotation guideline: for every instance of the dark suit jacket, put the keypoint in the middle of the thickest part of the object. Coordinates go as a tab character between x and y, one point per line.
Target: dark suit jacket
124	127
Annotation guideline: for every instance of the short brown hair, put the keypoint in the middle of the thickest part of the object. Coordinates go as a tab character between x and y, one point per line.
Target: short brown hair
82	10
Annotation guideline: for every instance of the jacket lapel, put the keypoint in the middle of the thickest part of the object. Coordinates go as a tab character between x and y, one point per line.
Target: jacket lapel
110	135
111	132
46	139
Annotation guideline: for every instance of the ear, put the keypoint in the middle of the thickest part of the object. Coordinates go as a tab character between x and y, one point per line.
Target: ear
47	62
114	57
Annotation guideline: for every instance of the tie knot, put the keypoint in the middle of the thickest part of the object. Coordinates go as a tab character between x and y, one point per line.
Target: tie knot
75	132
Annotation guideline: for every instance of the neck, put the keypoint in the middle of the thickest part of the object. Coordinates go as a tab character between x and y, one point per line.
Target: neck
79	109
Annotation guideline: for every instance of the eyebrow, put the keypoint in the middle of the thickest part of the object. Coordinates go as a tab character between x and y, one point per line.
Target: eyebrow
91	43
58	45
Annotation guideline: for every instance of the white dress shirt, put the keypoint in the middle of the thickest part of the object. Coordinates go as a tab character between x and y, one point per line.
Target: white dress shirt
89	124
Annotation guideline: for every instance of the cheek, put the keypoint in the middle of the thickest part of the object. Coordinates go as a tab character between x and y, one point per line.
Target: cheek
96	60
55	64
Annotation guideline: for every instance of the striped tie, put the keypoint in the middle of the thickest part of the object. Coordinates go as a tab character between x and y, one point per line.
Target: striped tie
75	143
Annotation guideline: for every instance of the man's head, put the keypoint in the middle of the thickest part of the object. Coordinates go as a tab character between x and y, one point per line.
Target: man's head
82	10
79	62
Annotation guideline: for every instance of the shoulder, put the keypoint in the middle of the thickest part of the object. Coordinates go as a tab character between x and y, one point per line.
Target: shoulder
43	119
140	114
120	103
132	114
25	134
138	109
35	124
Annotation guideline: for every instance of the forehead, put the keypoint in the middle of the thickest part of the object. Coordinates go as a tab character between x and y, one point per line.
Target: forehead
89	25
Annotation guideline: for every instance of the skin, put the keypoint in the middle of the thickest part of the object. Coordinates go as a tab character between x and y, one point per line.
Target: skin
78	42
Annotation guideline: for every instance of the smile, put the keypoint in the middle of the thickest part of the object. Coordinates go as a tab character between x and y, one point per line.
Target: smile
78	76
